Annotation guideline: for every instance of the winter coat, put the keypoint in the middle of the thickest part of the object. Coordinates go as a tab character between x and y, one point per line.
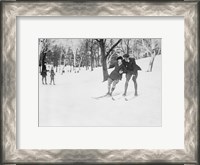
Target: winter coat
52	74
44	71
131	66
115	75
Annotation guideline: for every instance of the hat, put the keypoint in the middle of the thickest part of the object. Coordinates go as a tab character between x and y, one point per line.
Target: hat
119	58
126	56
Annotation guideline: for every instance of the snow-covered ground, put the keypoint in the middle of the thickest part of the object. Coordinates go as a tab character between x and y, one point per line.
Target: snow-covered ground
71	102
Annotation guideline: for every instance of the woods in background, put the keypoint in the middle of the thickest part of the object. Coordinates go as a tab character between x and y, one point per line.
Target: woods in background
88	54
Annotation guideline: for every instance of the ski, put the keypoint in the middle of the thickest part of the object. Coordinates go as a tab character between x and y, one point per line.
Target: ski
113	98
126	98
99	97
106	95
130	98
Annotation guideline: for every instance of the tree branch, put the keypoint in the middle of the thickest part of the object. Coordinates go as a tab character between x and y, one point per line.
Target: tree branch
147	49
113	47
97	40
122	49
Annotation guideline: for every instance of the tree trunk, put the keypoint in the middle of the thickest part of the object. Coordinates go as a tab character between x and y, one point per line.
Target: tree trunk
105	70
153	55
99	58
127	47
109	59
74	64
104	64
70	68
79	66
91	59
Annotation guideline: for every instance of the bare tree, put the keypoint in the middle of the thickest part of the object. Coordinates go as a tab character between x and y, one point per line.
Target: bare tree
74	44
43	49
81	59
104	55
127	43
150	45
91	53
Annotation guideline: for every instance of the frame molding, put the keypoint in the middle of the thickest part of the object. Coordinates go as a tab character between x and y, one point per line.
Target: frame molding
11	10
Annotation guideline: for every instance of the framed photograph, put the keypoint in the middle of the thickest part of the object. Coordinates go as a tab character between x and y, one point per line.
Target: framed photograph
100	82
84	76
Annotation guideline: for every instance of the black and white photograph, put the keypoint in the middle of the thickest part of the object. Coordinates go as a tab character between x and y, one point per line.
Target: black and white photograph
100	82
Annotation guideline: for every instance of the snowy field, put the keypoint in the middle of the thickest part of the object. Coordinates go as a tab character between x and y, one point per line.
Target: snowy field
72	101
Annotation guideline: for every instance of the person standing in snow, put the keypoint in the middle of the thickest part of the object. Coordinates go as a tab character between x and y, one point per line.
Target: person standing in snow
115	76
131	70
52	74
44	74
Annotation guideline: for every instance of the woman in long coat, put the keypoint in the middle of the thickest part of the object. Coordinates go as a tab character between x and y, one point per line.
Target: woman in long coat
115	76
44	73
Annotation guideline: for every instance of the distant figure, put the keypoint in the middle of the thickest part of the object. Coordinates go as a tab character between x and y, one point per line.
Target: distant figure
131	70
44	74
63	71
115	76
52	74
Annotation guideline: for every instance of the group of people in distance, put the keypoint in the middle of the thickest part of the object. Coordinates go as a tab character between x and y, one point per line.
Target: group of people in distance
44	75
125	65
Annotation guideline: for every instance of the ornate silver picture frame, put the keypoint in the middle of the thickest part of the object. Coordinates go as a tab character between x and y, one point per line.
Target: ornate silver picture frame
10	11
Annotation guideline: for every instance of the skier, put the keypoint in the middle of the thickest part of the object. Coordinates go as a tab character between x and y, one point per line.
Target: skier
52	74
131	70
115	75
44	74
